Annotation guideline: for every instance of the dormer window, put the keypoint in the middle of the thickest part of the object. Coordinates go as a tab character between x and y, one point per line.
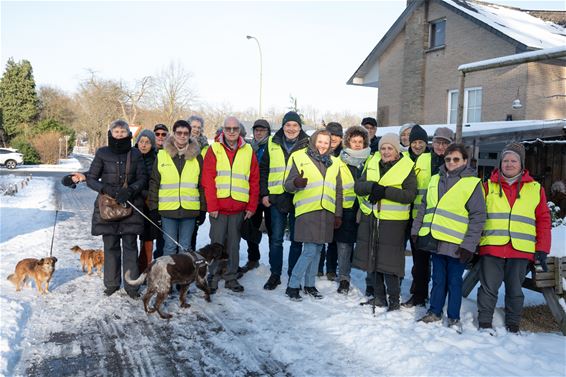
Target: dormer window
437	33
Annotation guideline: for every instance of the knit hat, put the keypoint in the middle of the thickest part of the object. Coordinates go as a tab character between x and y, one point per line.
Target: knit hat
516	148
405	127
262	123
418	133
391	139
292	116
335	129
119	123
444	133
369	120
160	127
150	135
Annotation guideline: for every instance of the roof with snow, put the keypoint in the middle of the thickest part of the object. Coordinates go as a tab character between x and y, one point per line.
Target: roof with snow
518	26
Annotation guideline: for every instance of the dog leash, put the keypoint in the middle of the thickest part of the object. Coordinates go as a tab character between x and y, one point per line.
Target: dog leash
53	234
199	260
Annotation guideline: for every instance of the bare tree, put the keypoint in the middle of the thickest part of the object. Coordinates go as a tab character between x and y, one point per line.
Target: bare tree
132	98
56	104
173	93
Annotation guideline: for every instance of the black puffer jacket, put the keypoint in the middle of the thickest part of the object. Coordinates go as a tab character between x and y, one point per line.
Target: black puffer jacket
108	171
284	202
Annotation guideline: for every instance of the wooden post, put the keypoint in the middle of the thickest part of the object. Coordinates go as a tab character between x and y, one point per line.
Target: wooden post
460	113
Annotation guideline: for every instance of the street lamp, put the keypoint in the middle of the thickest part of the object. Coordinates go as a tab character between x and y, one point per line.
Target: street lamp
260	71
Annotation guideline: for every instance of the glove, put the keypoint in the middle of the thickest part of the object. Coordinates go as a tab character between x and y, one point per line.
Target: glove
68	181
465	255
299	181
377	193
337	222
414	239
540	257
124	194
201	218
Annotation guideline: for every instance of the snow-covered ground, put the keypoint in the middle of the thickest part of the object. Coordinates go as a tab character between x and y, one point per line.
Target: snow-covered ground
76	330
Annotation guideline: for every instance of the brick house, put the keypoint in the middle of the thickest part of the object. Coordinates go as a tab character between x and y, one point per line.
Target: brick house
414	66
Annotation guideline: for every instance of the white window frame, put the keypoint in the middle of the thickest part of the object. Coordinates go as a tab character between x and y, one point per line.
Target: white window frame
466	105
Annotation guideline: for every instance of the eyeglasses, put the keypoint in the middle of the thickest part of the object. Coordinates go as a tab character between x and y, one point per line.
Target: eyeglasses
453	159
159	134
231	129
441	142
182	133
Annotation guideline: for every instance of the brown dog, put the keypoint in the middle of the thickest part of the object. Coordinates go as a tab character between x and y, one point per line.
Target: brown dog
90	259
41	270
182	269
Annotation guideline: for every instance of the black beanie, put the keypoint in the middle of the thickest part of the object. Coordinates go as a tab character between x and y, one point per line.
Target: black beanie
418	133
369	120
292	116
335	129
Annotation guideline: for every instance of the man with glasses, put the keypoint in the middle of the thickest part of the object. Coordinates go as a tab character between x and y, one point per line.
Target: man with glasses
231	185
288	139
370	124
160	131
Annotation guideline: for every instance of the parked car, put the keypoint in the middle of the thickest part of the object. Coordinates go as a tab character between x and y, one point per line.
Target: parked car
10	157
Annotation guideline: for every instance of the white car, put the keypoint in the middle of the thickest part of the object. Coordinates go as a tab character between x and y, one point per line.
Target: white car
10	158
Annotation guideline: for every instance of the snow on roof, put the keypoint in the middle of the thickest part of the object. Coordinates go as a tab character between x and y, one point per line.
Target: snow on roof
515	23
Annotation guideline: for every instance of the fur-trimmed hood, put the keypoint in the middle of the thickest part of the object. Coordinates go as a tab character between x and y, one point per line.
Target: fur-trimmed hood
192	150
359	131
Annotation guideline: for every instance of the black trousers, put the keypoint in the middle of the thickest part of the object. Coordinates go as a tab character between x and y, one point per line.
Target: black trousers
260	213
113	254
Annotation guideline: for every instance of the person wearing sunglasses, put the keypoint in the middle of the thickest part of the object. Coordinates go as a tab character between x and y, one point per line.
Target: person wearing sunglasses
449	225
175	188
517	232
231	185
160	131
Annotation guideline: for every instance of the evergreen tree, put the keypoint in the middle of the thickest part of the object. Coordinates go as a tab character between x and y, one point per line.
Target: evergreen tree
18	99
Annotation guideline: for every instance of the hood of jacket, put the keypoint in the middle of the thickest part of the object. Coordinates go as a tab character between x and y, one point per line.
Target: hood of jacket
192	150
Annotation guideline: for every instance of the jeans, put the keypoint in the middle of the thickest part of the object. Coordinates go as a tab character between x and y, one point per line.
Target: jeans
278	222
180	230
344	251
306	266
330	254
446	279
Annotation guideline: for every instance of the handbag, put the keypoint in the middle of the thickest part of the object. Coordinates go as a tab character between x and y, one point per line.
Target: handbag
427	243
109	208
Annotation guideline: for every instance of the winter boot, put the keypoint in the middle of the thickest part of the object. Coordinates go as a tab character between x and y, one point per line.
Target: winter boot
412	302
486	327
234	286
380	302
344	287
331	276
272	283
430	317
369	291
109	291
394	303
313	292
293	294
455	324
513	329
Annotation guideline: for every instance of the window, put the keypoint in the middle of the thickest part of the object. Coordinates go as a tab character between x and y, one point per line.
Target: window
437	33
472	105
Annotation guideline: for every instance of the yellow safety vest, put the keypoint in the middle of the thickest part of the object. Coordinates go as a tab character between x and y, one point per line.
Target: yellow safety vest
320	192
423	172
276	176
447	218
203	150
233	180
177	190
348	196
517	224
387	209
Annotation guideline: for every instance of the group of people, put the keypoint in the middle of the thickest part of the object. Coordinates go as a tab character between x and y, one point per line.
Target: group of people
358	197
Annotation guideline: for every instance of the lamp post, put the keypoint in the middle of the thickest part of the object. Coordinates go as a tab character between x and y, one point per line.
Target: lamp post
260	71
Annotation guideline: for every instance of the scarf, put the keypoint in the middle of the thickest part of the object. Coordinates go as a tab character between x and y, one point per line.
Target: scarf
324	159
355	158
256	144
120	146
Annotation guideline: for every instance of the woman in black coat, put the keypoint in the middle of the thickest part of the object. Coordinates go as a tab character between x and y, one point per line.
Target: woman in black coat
106	175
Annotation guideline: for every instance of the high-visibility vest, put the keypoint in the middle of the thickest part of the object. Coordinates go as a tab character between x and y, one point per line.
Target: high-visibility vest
320	192
277	166
423	172
177	190
387	209
203	150
348	196
517	224
233	180
447	219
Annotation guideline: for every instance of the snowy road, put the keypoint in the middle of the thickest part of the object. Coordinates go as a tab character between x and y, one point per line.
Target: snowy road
77	331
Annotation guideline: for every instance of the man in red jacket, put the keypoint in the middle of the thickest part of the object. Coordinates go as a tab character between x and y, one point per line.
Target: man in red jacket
231	186
516	233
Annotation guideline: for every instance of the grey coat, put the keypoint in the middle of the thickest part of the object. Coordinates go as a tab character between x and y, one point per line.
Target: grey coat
317	226
387	253
475	206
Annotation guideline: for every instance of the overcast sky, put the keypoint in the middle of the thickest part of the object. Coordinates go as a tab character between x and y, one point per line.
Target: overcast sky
310	49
